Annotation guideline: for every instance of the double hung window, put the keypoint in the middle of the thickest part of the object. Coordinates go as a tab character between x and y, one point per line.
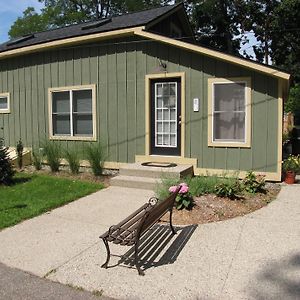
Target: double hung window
4	103
72	113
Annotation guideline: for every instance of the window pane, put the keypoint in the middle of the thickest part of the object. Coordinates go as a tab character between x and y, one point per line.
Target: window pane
158	89
3	103
229	97
61	102
229	126
61	125
159	127
159	115
173	140
83	125
82	101
159	140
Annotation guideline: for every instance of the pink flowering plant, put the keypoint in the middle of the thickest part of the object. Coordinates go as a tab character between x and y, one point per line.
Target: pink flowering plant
184	199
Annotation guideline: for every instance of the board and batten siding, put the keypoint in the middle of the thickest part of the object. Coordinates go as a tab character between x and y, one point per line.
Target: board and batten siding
118	68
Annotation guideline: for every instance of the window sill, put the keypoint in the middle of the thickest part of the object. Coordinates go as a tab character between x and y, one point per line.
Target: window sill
73	138
229	144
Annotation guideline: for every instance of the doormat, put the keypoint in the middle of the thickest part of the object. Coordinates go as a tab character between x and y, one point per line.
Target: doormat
158	164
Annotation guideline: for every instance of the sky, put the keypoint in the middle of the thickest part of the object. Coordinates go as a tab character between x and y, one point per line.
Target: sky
10	10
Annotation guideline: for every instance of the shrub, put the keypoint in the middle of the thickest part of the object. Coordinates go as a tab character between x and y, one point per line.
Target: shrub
96	157
72	158
201	185
19	149
6	170
229	188
52	151
184	199
254	183
37	158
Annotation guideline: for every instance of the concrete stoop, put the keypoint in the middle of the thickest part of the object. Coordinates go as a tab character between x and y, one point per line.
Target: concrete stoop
147	177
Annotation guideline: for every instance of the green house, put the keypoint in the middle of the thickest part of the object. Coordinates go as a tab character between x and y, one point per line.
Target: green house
141	84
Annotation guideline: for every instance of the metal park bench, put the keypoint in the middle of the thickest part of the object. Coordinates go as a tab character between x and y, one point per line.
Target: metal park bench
129	231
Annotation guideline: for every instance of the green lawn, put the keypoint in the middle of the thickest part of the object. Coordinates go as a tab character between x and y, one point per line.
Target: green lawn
32	195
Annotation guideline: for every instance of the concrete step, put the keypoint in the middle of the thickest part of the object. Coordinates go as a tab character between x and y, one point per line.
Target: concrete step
137	182
138	170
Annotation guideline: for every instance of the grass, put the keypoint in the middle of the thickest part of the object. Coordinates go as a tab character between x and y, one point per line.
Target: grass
32	195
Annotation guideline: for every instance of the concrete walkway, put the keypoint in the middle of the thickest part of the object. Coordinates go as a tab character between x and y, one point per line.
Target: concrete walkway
251	257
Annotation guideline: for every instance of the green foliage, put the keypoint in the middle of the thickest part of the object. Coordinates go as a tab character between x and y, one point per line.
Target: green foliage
292	163
72	157
201	185
254	183
6	170
30	22
228	189
37	159
96	157
162	187
216	23
293	102
285	38
52	152
184	199
20	154
32	195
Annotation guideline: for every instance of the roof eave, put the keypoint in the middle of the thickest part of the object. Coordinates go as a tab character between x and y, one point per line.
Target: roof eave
71	41
215	54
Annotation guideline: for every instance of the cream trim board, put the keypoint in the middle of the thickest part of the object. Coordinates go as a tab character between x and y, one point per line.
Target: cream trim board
270	176
70	41
148	79
248	121
5	110
73	88
280	125
214	54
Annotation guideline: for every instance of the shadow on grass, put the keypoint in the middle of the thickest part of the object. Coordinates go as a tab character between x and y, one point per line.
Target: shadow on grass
20	180
17	206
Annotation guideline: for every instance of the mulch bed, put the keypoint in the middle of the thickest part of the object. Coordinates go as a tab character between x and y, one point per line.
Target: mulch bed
210	208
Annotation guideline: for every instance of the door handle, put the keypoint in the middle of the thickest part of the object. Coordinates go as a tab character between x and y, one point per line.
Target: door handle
179	120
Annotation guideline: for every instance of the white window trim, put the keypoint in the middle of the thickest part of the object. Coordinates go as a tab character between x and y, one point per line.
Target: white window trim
248	130
5	110
68	89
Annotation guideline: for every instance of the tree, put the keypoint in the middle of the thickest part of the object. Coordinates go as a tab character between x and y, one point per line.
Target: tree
58	13
216	23
285	38
30	22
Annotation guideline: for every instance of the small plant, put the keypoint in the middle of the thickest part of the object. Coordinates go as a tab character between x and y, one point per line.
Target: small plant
292	164
96	158
20	149
37	158
73	160
52	152
184	198
6	170
228	189
254	183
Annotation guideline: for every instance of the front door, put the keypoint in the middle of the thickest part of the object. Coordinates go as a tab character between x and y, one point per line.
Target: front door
166	117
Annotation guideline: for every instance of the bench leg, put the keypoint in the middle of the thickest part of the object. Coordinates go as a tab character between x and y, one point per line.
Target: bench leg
108	253
136	259
171	225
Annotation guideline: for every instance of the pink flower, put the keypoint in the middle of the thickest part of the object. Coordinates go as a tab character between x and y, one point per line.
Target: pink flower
184	188
172	189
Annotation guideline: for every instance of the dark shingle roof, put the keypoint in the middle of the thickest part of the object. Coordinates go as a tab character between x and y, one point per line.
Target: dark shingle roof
119	22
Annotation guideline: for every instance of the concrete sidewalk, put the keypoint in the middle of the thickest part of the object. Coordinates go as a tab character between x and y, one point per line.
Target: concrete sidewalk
251	257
